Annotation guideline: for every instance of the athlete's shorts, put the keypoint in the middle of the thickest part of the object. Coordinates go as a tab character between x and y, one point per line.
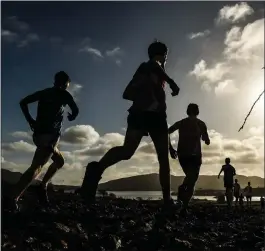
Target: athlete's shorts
50	140
148	122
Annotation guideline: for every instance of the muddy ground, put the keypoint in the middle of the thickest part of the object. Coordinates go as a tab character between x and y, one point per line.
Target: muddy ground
119	224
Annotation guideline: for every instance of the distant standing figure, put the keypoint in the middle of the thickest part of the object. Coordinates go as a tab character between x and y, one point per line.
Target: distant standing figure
236	190
191	131
229	173
46	133
248	193
241	200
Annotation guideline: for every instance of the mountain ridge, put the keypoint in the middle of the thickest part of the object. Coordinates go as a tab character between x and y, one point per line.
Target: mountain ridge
150	182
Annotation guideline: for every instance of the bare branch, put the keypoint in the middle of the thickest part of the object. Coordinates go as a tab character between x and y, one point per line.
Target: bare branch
251	110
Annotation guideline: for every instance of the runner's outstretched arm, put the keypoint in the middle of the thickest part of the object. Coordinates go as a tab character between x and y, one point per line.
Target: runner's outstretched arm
205	136
174	127
172	151
220	172
24	107
74	109
162	74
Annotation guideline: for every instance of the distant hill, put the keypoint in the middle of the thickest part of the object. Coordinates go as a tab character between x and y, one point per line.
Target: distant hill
10	177
148	182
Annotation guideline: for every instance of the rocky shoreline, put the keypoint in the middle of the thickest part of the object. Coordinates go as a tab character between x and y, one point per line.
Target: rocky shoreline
131	225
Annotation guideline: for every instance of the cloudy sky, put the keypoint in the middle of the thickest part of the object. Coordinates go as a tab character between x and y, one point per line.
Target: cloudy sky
216	56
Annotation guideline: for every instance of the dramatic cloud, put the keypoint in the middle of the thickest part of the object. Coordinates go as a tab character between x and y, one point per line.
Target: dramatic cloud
19	32
74	160
103	144
114	52
246	43
75	88
240	151
209	75
199	34
243	49
234	14
148	148
111	139
8	36
19	146
245	153
92	51
98	150
80	134
22	135
225	87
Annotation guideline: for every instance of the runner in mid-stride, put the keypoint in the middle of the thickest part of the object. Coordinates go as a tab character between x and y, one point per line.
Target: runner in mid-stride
191	131
237	189
46	134
229	173
147	116
248	192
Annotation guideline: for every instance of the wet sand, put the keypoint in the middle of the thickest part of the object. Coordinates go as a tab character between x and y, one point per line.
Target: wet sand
131	225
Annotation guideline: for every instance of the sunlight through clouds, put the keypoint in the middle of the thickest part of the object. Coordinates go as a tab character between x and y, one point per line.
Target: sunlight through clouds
92	146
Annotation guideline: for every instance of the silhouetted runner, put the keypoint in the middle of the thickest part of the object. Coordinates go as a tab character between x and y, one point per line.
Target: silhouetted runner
191	131
248	193
147	116
46	133
229	173
236	190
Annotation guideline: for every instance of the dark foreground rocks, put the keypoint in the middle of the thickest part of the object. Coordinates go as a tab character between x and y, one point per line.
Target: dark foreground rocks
131	225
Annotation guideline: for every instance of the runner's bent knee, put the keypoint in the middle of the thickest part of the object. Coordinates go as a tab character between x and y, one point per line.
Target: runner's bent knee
58	158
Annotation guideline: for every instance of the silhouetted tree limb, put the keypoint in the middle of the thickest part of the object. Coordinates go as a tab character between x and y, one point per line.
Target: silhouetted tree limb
251	110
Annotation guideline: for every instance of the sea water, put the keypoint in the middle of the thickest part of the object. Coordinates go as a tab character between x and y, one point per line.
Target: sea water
157	195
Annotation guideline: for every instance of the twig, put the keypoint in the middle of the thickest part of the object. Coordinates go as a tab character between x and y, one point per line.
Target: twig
251	110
